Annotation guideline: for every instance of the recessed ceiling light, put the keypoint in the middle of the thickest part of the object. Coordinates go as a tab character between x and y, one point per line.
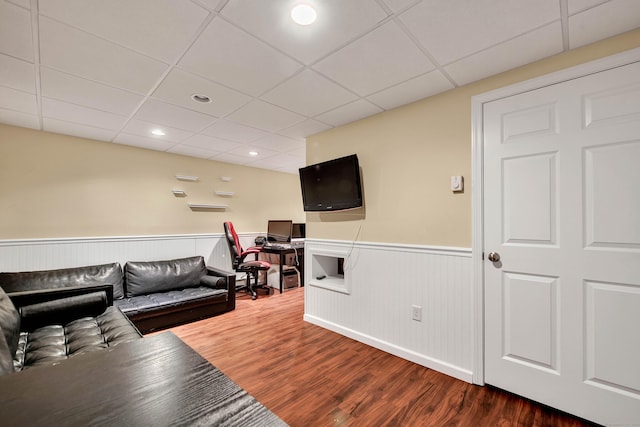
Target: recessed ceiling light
158	132
253	153
303	14
200	98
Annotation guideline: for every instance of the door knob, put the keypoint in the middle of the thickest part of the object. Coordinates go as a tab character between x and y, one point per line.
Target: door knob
494	256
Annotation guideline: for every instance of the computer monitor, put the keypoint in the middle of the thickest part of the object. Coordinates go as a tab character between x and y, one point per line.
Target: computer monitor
279	231
298	231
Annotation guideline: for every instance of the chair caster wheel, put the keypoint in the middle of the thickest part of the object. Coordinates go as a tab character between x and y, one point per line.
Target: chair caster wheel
254	297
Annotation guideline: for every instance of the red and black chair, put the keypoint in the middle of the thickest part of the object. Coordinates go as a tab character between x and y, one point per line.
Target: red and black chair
240	265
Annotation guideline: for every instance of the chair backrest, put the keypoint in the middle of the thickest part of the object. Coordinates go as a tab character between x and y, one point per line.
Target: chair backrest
234	243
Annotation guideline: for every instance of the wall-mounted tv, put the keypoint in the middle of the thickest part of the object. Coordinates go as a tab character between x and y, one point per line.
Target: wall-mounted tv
332	185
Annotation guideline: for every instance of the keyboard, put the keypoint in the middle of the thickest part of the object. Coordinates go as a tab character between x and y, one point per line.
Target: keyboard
278	246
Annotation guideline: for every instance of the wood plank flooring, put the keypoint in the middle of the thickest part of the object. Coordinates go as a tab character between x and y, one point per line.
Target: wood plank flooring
310	376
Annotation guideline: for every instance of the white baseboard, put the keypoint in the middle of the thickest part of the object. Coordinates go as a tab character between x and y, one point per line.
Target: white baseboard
436	365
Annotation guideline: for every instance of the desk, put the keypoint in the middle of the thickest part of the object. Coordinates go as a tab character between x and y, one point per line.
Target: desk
283	255
157	380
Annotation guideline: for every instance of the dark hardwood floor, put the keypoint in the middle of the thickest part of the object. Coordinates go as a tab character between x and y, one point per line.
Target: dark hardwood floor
310	376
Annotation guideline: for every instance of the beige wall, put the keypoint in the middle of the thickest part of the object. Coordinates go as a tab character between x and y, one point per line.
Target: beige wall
408	155
60	186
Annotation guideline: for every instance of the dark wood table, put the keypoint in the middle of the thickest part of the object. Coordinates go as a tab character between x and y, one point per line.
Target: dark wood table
282	252
156	380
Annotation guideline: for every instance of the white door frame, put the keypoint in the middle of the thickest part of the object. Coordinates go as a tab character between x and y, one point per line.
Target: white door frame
477	194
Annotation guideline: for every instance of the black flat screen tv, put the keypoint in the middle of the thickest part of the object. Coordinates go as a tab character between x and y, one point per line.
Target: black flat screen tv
332	185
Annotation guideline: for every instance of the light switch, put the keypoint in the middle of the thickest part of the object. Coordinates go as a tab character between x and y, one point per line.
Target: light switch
457	183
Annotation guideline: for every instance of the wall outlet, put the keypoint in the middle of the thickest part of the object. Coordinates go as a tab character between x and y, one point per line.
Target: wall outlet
416	313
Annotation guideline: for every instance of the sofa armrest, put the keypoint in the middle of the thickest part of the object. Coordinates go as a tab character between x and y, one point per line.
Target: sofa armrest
230	280
23	298
62	310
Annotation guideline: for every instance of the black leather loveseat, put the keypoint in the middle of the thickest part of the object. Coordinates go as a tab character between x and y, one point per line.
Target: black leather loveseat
153	294
44	327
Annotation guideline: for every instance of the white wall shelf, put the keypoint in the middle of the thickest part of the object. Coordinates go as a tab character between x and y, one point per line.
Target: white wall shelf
186	178
225	193
200	206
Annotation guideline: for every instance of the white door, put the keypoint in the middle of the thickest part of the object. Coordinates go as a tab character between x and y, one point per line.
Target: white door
562	210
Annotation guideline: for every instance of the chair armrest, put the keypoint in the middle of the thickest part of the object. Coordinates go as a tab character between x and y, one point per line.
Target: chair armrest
62	310
23	298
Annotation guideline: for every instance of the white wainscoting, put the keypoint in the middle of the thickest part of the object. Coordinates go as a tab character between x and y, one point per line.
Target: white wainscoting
385	281
45	254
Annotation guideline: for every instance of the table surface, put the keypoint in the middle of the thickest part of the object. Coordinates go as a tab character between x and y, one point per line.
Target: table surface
157	380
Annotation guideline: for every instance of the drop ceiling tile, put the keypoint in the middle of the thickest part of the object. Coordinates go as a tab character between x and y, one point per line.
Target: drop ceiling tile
211	143
606	20
178	87
79	91
399	5
213	5
338	22
16	100
142	128
17	74
575	6
382	58
420	87
278	161
265	116
82	54
453	29
237	59
58	110
309	93
76	129
17	118
171	115
22	3
279	143
349	113
234	131
230	158
290	169
187	150
304	129
530	47
15	32
244	150
143	142
159	28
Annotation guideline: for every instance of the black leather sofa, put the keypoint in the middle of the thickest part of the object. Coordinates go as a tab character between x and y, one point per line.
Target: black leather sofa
44	327
153	295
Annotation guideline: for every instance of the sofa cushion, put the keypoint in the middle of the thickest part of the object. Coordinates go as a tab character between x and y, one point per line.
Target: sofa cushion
54	343
163	300
143	278
105	274
9	322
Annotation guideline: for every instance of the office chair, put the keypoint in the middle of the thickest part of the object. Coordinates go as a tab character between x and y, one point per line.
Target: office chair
238	255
